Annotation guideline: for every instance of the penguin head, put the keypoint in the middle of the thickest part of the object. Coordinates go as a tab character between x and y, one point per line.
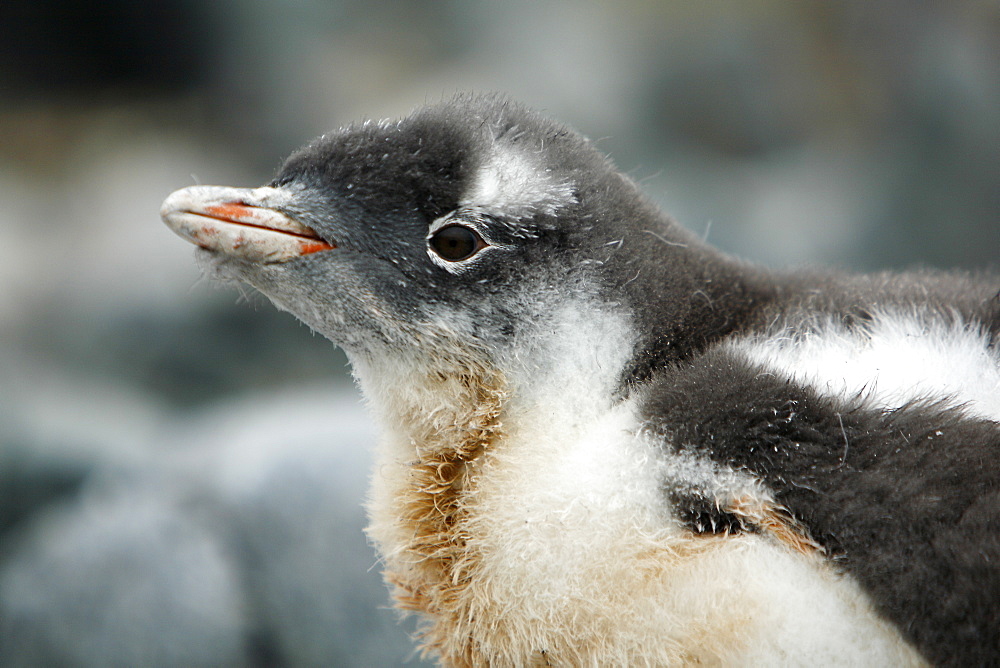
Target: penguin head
474	225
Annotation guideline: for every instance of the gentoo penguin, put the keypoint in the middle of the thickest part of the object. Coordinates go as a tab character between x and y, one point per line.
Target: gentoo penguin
606	443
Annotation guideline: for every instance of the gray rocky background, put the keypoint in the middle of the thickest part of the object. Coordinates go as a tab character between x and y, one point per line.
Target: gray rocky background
182	468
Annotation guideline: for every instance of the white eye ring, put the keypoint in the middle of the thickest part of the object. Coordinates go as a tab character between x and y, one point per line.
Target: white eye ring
478	243
456	242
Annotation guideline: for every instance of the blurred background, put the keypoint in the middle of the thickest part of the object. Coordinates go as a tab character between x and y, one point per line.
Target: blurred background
182	468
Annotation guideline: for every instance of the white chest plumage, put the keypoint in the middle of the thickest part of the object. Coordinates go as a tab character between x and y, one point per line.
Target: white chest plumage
562	548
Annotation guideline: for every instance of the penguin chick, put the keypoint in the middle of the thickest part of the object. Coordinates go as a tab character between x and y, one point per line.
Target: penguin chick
604	442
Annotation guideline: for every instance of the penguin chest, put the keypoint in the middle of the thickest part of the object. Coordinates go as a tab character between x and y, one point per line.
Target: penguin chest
563	549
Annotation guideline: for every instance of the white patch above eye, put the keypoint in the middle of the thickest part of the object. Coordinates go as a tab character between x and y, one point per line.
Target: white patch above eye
513	185
899	358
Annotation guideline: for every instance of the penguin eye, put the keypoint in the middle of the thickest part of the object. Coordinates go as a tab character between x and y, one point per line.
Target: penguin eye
455	243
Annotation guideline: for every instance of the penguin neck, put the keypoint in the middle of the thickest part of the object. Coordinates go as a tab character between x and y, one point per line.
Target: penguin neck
448	423
437	422
687	300
438	405
565	362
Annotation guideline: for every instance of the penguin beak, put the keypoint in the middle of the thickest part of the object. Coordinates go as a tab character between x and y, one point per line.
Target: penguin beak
242	223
